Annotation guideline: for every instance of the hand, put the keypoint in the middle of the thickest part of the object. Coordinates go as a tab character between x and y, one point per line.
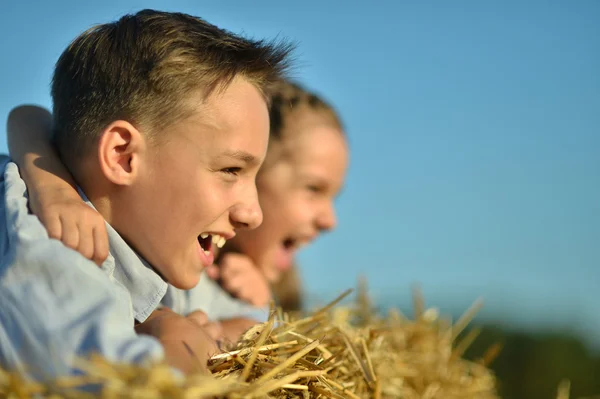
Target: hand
214	329
241	278
187	346
68	219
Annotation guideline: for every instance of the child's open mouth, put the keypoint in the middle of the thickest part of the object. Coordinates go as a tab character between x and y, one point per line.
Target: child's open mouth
285	255
289	243
207	242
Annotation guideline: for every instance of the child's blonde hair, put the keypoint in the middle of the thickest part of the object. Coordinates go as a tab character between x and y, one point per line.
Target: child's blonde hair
289	99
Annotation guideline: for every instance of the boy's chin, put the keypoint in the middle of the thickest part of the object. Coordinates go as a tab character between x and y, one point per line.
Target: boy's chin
185	283
184	280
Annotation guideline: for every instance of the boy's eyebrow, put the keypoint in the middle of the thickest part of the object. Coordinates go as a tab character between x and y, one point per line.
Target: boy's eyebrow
242	156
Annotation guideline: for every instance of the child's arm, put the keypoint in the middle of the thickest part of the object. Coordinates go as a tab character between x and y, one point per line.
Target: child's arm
52	194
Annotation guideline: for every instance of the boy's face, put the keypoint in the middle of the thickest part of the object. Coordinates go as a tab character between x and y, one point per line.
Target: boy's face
199	180
302	176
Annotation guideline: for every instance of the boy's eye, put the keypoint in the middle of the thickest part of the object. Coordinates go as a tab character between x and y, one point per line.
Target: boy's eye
232	171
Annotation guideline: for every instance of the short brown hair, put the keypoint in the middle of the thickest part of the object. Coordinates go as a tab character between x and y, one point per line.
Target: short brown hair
142	67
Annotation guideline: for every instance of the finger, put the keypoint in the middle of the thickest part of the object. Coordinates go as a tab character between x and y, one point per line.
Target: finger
54	227
236	286
235	257
212	348
198	317
86	241
100	237
235	261
70	233
229	272
239	264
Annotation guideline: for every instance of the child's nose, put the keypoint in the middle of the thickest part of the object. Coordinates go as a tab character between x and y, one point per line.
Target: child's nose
247	216
327	219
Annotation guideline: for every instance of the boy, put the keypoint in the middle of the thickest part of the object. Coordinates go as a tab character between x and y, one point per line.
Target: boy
162	122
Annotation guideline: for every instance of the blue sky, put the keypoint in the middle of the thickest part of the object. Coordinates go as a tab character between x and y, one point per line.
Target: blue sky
475	136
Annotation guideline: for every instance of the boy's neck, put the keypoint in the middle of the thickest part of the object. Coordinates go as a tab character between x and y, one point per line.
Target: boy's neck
100	202
95	187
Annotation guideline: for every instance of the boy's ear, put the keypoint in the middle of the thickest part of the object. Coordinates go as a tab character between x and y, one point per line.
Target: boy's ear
119	150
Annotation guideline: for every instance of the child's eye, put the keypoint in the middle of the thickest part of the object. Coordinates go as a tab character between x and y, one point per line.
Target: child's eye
232	171
313	188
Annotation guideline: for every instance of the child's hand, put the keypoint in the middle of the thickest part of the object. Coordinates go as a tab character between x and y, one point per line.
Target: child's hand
187	346
214	329
52	194
241	278
68	219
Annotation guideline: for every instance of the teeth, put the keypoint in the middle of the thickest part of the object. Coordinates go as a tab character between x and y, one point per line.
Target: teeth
218	240
207	253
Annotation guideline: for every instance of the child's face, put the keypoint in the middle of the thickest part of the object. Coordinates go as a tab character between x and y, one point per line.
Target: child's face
200	179
301	177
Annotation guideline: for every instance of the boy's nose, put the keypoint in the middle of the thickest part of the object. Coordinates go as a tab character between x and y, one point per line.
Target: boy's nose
247	216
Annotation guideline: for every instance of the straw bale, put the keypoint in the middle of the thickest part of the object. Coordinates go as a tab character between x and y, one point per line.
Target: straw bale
335	352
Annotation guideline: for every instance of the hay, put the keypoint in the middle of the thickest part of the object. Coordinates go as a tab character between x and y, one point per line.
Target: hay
336	352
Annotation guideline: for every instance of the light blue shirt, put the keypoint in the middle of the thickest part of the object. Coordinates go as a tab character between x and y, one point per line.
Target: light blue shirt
56	305
213	300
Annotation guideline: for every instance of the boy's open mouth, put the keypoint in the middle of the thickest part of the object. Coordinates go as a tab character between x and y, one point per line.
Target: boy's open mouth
207	243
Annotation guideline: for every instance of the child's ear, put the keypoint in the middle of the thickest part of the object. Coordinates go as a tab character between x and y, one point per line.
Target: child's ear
119	151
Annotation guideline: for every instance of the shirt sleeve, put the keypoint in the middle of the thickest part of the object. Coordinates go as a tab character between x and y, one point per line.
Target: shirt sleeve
56	305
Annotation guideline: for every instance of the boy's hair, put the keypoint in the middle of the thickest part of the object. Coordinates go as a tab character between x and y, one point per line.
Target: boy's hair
289	98
143	67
